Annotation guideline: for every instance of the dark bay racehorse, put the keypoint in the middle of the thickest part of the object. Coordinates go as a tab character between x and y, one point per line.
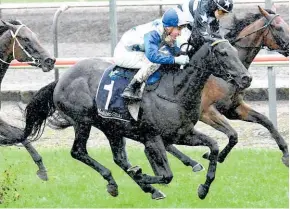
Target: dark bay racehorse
18	42
249	34
168	114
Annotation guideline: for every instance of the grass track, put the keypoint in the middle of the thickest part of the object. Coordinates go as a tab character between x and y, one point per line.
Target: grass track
248	179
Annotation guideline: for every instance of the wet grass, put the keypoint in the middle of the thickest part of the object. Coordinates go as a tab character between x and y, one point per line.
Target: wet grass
249	178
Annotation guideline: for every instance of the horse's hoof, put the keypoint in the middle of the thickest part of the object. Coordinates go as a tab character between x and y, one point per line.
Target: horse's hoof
112	189
197	167
221	160
202	191
158	195
285	160
135	170
42	175
206	155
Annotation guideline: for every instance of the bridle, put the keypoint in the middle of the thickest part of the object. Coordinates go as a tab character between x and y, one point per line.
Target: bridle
266	26
14	37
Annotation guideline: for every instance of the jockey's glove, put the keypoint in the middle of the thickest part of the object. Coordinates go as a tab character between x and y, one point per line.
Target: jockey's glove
181	60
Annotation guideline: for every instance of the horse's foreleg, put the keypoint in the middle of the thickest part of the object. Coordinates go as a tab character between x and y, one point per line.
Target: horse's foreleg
118	147
41	173
79	152
246	113
184	158
156	154
198	139
213	118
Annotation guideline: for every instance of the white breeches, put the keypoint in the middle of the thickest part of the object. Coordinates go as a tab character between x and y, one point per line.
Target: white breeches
134	59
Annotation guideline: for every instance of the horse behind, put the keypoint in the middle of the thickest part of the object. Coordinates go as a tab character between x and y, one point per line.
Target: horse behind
18	42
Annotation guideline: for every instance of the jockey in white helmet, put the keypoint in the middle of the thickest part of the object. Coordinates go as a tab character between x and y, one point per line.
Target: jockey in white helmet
139	48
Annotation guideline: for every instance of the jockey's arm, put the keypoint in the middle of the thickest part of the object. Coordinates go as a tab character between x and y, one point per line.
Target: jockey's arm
201	21
215	27
152	42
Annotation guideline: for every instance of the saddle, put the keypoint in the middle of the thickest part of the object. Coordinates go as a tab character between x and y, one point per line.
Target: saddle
108	98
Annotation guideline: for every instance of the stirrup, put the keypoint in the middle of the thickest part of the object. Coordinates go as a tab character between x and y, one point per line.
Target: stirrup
128	94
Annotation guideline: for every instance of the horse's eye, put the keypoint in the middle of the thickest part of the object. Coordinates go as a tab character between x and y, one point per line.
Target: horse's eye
224	53
25	39
278	28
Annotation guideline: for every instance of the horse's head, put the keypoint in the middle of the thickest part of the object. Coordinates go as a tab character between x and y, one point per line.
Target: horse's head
229	66
26	47
276	35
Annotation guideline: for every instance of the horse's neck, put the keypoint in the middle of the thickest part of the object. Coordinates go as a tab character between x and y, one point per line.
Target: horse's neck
5	53
5	47
250	46
189	84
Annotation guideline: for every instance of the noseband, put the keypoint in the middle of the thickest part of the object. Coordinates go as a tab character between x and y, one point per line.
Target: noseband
14	36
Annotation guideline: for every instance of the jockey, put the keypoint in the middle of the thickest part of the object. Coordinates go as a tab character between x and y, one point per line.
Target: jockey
140	48
204	16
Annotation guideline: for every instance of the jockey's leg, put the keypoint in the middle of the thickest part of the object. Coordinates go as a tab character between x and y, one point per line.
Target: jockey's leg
132	91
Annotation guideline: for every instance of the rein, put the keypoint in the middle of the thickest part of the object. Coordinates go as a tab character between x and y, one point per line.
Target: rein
14	36
262	28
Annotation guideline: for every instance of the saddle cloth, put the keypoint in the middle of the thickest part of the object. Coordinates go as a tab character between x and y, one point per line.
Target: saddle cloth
108	97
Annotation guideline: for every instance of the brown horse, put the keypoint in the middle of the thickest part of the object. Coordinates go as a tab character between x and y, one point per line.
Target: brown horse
219	98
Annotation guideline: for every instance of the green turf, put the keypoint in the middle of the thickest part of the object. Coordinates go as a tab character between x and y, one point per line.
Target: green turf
247	179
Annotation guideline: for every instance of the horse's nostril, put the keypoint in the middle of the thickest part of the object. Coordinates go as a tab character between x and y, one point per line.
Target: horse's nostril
247	80
49	61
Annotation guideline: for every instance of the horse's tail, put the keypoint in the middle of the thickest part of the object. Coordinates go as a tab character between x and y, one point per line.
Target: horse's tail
9	135
37	111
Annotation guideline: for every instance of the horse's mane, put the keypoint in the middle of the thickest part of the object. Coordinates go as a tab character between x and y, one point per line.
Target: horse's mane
239	24
4	28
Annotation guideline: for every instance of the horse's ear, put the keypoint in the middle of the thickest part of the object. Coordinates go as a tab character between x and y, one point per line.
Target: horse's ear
7	24
273	8
264	12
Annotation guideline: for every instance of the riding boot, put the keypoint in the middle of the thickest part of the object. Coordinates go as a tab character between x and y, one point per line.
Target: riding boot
132	91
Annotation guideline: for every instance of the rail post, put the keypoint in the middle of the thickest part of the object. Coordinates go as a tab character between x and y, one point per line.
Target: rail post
272	84
54	35
113	25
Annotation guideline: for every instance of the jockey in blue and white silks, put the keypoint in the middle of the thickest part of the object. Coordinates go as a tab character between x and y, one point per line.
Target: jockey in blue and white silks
204	16
140	48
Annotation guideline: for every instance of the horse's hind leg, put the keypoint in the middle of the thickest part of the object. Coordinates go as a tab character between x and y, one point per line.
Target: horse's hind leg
246	113
184	158
213	118
41	173
79	152
118	147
